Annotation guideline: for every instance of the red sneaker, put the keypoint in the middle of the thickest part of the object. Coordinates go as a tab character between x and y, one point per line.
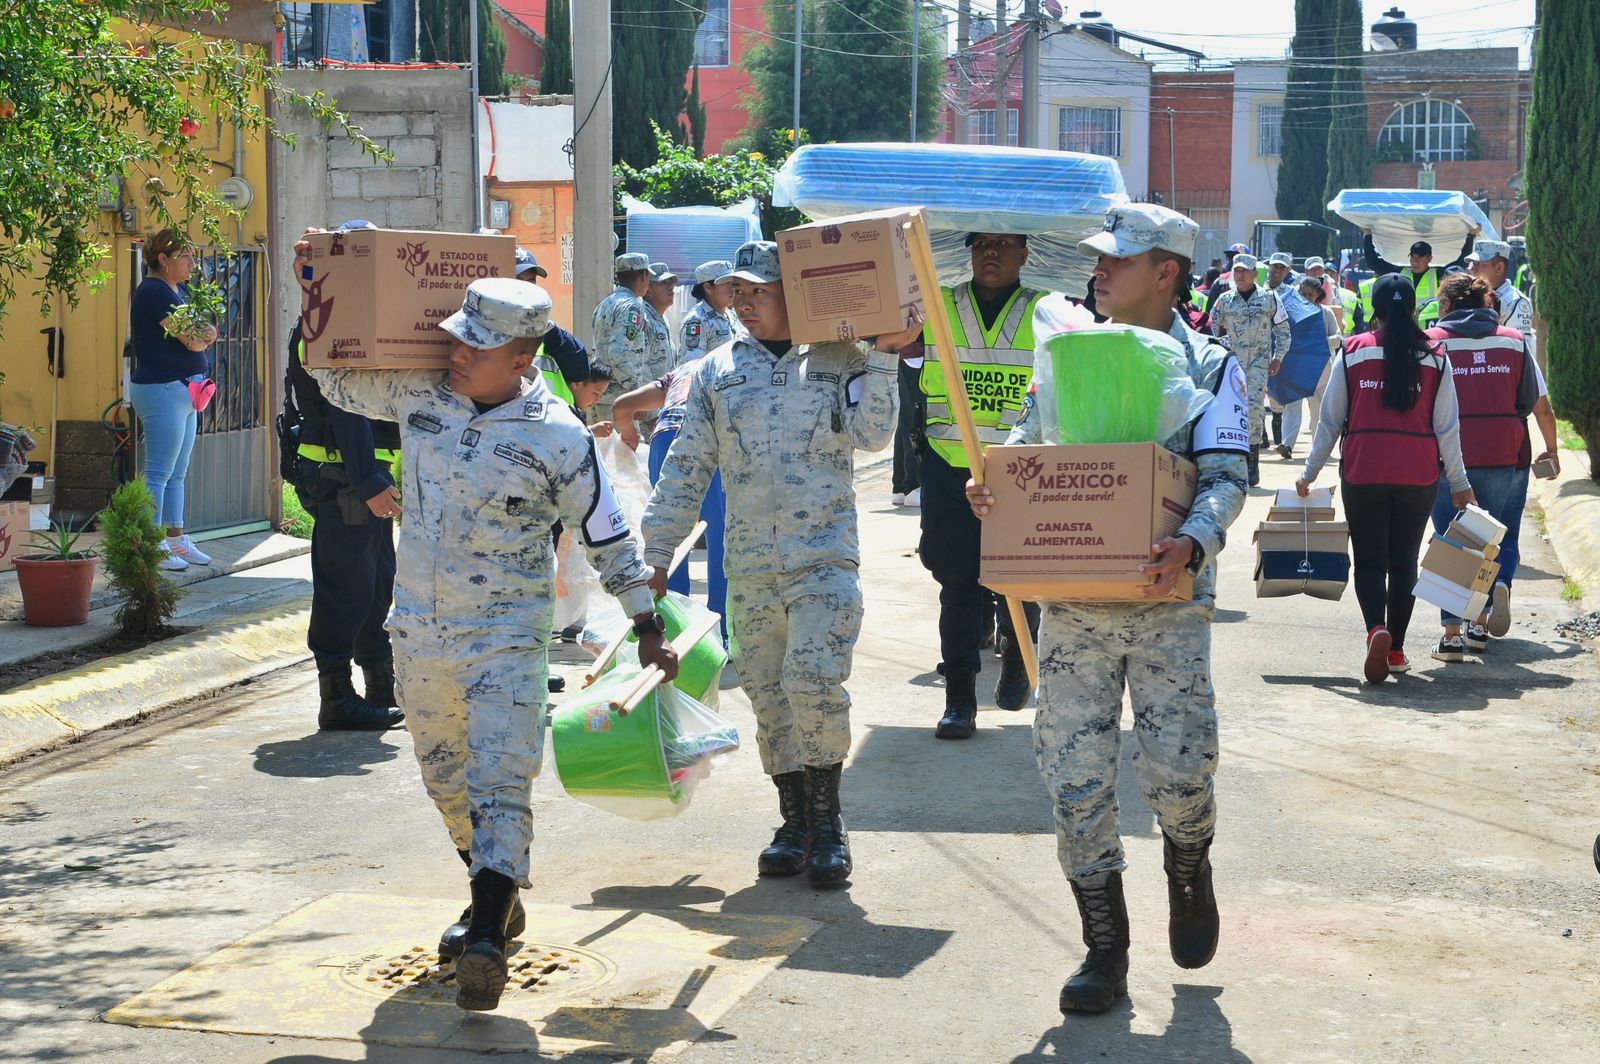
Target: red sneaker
1398	662
1376	668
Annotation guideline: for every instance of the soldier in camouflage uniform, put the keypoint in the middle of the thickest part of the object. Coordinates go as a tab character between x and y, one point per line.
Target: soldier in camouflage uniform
491	461
783	422
1257	328
621	343
1160	651
710	323
661	353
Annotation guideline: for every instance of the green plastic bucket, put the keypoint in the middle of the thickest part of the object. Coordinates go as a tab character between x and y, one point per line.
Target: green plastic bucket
700	670
1109	387
601	752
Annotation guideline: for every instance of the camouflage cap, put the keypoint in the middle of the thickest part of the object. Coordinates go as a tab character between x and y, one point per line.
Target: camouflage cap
757	261
1135	228
632	260
660	271
498	310
710	271
1488	250
1245	262
1314	261
1281	258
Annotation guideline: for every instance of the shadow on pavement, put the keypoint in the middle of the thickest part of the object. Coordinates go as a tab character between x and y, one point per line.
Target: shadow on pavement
323	754
1198	1031
391	1036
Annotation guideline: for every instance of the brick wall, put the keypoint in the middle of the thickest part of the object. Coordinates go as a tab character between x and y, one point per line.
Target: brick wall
1202	132
84	480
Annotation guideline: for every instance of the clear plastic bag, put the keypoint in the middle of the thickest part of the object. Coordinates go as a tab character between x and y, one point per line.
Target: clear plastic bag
644	765
1109	383
596	612
700	670
15	443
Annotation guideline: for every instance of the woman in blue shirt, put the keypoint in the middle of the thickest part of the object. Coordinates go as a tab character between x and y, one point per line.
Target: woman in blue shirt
163	365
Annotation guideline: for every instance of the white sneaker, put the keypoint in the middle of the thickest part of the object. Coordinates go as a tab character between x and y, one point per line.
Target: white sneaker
170	560
897	499
1500	610
914	498
184	547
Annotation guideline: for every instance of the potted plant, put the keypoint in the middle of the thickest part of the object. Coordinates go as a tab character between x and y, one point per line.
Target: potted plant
55	583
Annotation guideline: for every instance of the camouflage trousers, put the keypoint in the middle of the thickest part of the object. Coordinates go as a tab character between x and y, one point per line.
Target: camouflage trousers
477	726
1161	652
1255	378
793	636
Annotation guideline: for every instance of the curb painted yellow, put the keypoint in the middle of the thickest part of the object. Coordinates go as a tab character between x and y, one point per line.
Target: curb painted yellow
1572	517
124	687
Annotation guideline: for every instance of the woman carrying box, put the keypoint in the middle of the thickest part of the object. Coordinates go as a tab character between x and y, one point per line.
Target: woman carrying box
1497	386
1393	407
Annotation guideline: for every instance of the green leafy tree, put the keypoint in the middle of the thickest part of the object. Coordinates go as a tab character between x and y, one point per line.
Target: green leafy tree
447	38
1563	224
694	112
131	546
555	78
855	80
680	178
84	110
1303	169
1349	147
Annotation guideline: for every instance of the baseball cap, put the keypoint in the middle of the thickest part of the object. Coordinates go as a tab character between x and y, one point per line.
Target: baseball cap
497	310
1422	247
526	262
757	261
353	224
1487	250
1135	228
710	271
1245	261
1281	258
660	271
1393	293
632	260
1238	249
1314	261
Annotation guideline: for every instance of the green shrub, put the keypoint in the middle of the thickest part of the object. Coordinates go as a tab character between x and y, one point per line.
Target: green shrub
296	521
131	547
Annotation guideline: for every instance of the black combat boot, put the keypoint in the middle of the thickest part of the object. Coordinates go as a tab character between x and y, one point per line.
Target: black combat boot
1192	923
1253	463
829	859
454	939
1103	976
344	710
960	718
379	678
787	854
481	969
1277	429
1012	691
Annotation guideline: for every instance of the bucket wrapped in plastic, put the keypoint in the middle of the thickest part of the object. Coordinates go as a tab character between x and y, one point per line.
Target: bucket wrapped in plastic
643	765
700	670
1109	383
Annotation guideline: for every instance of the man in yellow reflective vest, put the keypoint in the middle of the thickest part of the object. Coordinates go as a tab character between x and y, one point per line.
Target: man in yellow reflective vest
1424	276
991	317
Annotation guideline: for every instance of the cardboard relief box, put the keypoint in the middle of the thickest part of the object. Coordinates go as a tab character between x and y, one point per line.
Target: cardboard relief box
1302	558
1287	505
1459	568
374	298
850	278
1075	523
16	535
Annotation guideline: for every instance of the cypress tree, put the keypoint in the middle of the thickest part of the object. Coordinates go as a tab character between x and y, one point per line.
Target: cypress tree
1303	169
1563	181
1349	147
695	112
653	46
446	38
555	77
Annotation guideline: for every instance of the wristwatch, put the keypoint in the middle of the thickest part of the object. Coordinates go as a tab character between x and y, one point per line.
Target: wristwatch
651	625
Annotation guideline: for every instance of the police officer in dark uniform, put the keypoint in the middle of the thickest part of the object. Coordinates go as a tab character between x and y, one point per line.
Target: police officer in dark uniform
343	479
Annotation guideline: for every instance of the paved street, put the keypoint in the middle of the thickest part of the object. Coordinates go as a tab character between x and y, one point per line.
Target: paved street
1404	872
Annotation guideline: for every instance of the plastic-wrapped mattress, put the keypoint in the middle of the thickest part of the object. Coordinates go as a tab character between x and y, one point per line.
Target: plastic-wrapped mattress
1055	197
1399	217
684	237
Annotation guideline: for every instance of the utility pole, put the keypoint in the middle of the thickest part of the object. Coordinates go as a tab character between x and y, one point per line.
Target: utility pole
916	61
1030	74
963	121
591	161
1004	60
794	128
472	48
1172	159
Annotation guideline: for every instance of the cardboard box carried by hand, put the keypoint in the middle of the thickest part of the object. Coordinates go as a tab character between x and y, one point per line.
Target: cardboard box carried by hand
1287	505
1302	558
1456	578
374	298
851	278
1075	523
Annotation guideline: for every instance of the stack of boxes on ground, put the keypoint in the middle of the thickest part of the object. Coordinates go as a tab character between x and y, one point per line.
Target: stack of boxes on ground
1301	549
1459	568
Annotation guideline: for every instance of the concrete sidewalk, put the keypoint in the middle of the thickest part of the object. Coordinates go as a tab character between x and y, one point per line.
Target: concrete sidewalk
1571	505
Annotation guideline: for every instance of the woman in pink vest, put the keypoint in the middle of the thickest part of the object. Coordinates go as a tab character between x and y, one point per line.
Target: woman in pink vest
1393	406
1497	387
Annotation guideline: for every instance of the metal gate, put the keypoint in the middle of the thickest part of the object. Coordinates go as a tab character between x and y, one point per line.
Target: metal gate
230	470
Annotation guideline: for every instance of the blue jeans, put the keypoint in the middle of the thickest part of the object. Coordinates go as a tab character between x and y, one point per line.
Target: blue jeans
1502	493
713	511
168	419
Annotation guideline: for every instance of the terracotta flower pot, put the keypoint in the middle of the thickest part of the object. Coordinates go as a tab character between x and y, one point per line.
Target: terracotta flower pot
55	593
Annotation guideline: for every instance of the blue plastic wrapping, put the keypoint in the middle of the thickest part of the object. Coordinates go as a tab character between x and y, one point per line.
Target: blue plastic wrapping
1308	350
684	237
1399	217
1057	198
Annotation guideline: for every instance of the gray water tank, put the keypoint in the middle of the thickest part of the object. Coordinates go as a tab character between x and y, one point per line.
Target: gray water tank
1394	32
1097	25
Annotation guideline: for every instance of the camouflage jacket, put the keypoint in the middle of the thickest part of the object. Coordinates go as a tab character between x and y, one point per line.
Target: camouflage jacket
660	355
480	494
1256	325
704	329
784	432
621	342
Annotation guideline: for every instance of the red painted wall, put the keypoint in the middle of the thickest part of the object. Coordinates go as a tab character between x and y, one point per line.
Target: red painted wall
1202	127
722	88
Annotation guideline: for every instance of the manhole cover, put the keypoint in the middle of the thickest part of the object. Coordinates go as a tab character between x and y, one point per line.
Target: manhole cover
538	969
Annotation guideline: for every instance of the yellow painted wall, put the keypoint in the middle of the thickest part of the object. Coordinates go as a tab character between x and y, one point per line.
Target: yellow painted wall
96	329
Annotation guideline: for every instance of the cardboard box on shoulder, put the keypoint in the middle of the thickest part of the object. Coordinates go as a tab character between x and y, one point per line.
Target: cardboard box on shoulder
1075	523
374	298
1302	558
850	278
